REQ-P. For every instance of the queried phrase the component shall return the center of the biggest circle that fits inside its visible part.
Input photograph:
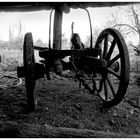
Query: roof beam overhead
(36, 6)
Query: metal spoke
(109, 70)
(113, 60)
(105, 46)
(106, 89)
(111, 50)
(111, 85)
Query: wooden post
(57, 30)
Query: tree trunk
(139, 41)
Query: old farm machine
(105, 64)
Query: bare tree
(16, 41)
(65, 42)
(133, 27)
(96, 33)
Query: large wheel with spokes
(29, 62)
(114, 78)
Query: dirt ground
(61, 103)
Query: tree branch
(127, 25)
(136, 49)
(137, 23)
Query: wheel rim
(112, 85)
(29, 61)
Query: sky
(38, 22)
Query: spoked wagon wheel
(29, 62)
(114, 78)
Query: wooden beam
(57, 30)
(36, 6)
(17, 130)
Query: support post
(57, 30)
